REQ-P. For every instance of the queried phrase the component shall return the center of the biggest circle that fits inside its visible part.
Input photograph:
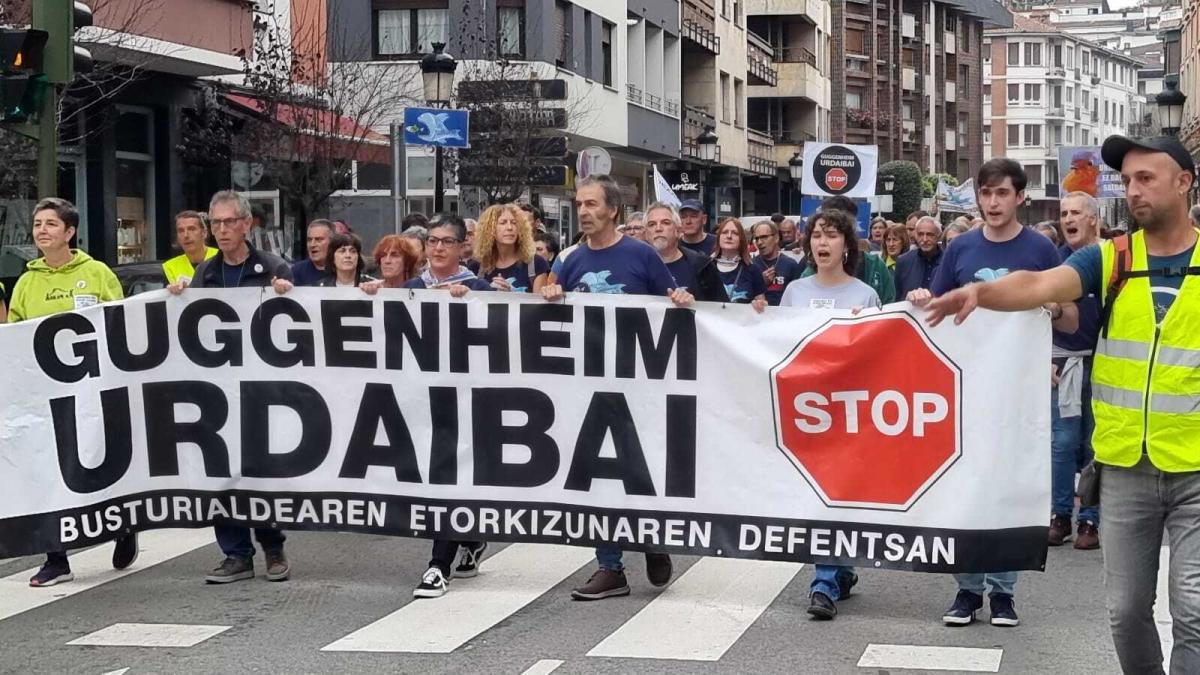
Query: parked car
(141, 277)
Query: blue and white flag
(960, 198)
(662, 190)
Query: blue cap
(693, 204)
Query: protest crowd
(1124, 391)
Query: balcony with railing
(798, 77)
(761, 59)
(1056, 110)
(761, 149)
(790, 141)
(700, 25)
(645, 99)
(1056, 73)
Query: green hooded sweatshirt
(43, 290)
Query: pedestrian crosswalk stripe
(915, 657)
(543, 667)
(1162, 603)
(150, 635)
(507, 582)
(93, 568)
(702, 614)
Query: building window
(987, 134)
(1033, 54)
(962, 125)
(1014, 135)
(510, 32)
(135, 185)
(410, 32)
(1070, 95)
(1058, 55)
(905, 110)
(1014, 53)
(1033, 135)
(1033, 93)
(1085, 62)
(1014, 93)
(854, 101)
(1121, 120)
(855, 42)
(987, 93)
(1070, 56)
(606, 52)
(1070, 135)
(1034, 173)
(739, 98)
(726, 99)
(561, 34)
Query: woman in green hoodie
(62, 280)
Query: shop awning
(343, 136)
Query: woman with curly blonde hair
(506, 251)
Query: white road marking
(1162, 603)
(117, 672)
(543, 667)
(702, 614)
(507, 581)
(150, 635)
(914, 657)
(93, 568)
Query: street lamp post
(706, 144)
(796, 170)
(1170, 103)
(437, 75)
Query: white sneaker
(433, 584)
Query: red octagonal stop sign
(868, 410)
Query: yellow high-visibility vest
(180, 266)
(1146, 377)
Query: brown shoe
(1060, 530)
(1088, 537)
(278, 568)
(603, 584)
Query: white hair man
(915, 268)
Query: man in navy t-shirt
(1071, 410)
(609, 262)
(694, 218)
(777, 270)
(1001, 246)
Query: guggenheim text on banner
(794, 435)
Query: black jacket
(914, 270)
(709, 287)
(260, 270)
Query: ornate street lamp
(1170, 108)
(437, 74)
(796, 167)
(707, 142)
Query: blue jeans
(1001, 582)
(831, 579)
(1070, 451)
(235, 541)
(610, 559)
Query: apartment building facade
(1189, 75)
(1045, 89)
(907, 76)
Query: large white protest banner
(793, 435)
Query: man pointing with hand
(1145, 392)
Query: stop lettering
(868, 410)
(836, 179)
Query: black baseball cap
(1116, 147)
(693, 204)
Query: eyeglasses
(432, 242)
(219, 223)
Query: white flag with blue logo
(662, 190)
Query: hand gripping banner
(793, 435)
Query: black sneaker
(125, 551)
(468, 561)
(1003, 613)
(821, 607)
(433, 584)
(845, 588)
(962, 612)
(658, 569)
(51, 574)
(230, 570)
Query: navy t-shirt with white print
(628, 267)
(684, 274)
(517, 275)
(743, 283)
(787, 270)
(971, 257)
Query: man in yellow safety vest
(1145, 392)
(191, 234)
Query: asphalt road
(349, 609)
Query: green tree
(906, 195)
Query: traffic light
(22, 82)
(62, 19)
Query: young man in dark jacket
(692, 271)
(238, 265)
